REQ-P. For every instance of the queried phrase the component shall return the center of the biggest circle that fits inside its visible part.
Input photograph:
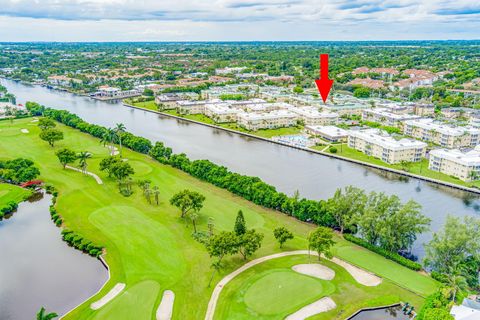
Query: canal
(288, 169)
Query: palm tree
(193, 216)
(457, 283)
(82, 158)
(156, 192)
(42, 315)
(119, 130)
(108, 137)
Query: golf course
(149, 247)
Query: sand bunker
(165, 309)
(24, 131)
(109, 296)
(322, 305)
(360, 275)
(315, 270)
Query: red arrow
(324, 84)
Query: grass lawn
(420, 168)
(14, 193)
(149, 247)
(272, 290)
(150, 105)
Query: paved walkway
(165, 309)
(212, 304)
(109, 296)
(97, 178)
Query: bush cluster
(80, 243)
(8, 208)
(57, 219)
(387, 254)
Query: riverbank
(320, 152)
(148, 246)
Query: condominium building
(386, 117)
(329, 133)
(311, 116)
(222, 112)
(442, 134)
(463, 165)
(377, 143)
(194, 107)
(269, 120)
(424, 110)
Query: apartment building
(444, 135)
(269, 120)
(311, 116)
(329, 133)
(377, 143)
(463, 165)
(424, 110)
(385, 117)
(222, 112)
(194, 107)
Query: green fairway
(10, 192)
(272, 290)
(150, 248)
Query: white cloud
(117, 20)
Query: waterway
(38, 269)
(314, 176)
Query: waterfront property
(379, 144)
(385, 117)
(311, 116)
(111, 93)
(463, 165)
(441, 134)
(222, 112)
(268, 120)
(329, 133)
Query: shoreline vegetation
(413, 170)
(106, 217)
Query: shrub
(387, 254)
(332, 149)
(80, 243)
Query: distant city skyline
(233, 20)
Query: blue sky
(231, 20)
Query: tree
(121, 171)
(46, 123)
(210, 226)
(362, 92)
(51, 136)
(343, 206)
(249, 243)
(108, 163)
(282, 234)
(456, 283)
(193, 215)
(452, 245)
(156, 193)
(240, 226)
(108, 137)
(187, 200)
(66, 156)
(321, 240)
(43, 315)
(220, 245)
(119, 130)
(82, 160)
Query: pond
(389, 313)
(37, 268)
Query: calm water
(315, 176)
(392, 313)
(38, 269)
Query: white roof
(268, 115)
(222, 108)
(331, 131)
(387, 114)
(382, 139)
(312, 112)
(187, 103)
(464, 313)
(429, 124)
(470, 158)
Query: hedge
(387, 254)
(8, 208)
(80, 243)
